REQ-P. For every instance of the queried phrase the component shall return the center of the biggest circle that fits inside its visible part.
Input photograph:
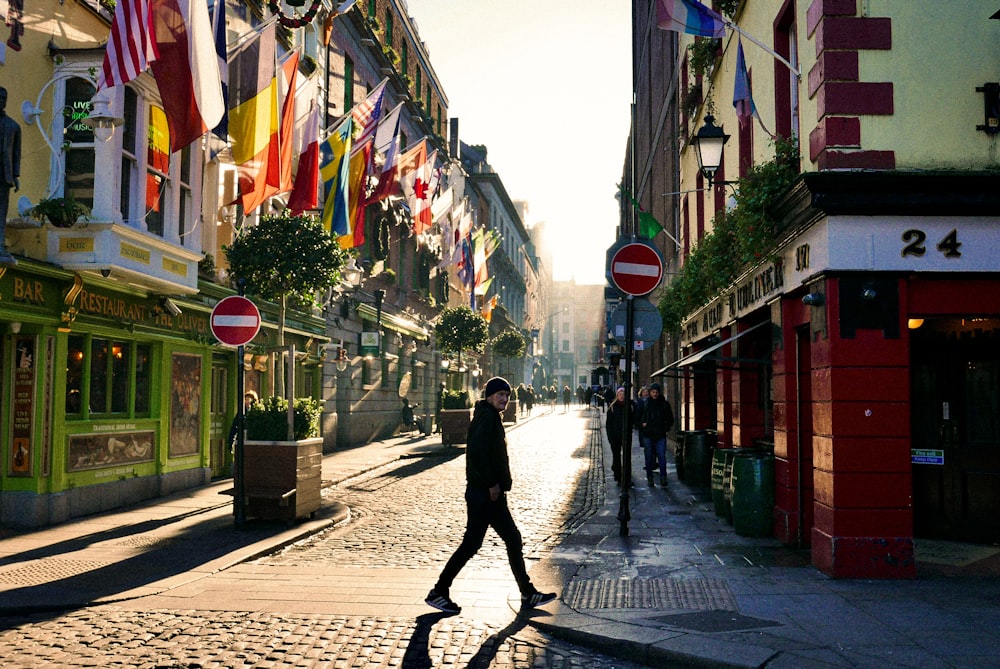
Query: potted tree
(283, 479)
(459, 329)
(509, 344)
(285, 256)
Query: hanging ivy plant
(740, 238)
(702, 55)
(444, 288)
(380, 240)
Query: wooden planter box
(455, 425)
(282, 480)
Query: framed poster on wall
(22, 407)
(185, 405)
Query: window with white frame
(158, 189)
(80, 170)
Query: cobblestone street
(407, 518)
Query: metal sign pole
(623, 511)
(239, 513)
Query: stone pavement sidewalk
(680, 590)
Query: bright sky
(546, 86)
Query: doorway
(955, 420)
(220, 457)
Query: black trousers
(482, 515)
(616, 460)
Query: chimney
(453, 145)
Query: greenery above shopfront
(741, 237)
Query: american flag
(131, 44)
(366, 114)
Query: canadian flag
(414, 182)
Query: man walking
(654, 421)
(488, 479)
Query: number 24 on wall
(914, 239)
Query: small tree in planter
(459, 329)
(285, 256)
(509, 344)
(267, 420)
(285, 479)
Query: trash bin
(698, 446)
(727, 481)
(753, 494)
(719, 458)
(679, 454)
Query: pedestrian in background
(442, 391)
(488, 479)
(654, 421)
(615, 425)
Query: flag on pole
(356, 195)
(335, 172)
(253, 118)
(131, 46)
(304, 191)
(649, 227)
(387, 143)
(286, 132)
(367, 113)
(221, 130)
(742, 92)
(466, 267)
(187, 69)
(413, 183)
(689, 16)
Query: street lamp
(708, 145)
(551, 352)
(101, 119)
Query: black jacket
(657, 415)
(615, 420)
(486, 462)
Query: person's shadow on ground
(417, 654)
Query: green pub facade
(112, 396)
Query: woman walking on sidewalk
(488, 479)
(615, 424)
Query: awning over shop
(395, 323)
(700, 355)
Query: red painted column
(793, 462)
(726, 399)
(861, 445)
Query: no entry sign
(636, 269)
(235, 320)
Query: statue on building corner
(10, 171)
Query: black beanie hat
(495, 385)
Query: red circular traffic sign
(636, 269)
(235, 320)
